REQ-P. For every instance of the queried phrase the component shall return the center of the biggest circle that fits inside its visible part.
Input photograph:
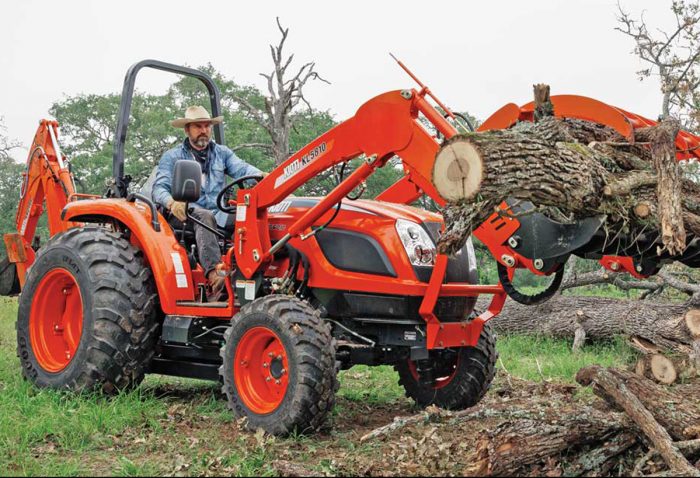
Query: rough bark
(598, 457)
(668, 188)
(615, 388)
(660, 323)
(543, 104)
(569, 169)
(514, 445)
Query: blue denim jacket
(221, 162)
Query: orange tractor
(317, 283)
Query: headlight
(417, 243)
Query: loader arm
(46, 184)
(385, 126)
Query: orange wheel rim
(261, 370)
(56, 320)
(440, 382)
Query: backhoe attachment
(47, 184)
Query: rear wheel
(279, 366)
(460, 376)
(86, 316)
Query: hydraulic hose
(525, 299)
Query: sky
(475, 56)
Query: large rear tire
(87, 313)
(463, 375)
(279, 366)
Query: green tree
(10, 181)
(88, 123)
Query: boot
(216, 290)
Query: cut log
(658, 323)
(692, 321)
(662, 369)
(668, 188)
(653, 364)
(617, 393)
(562, 167)
(458, 171)
(643, 210)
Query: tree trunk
(662, 324)
(568, 169)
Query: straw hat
(195, 114)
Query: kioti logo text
(298, 164)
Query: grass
(179, 426)
(543, 358)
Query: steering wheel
(219, 199)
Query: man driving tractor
(216, 161)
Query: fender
(166, 257)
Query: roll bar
(121, 185)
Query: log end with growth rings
(692, 321)
(458, 170)
(663, 369)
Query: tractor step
(214, 305)
(181, 368)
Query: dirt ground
(186, 443)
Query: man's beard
(201, 141)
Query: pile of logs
(640, 428)
(570, 169)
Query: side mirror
(187, 181)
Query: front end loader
(316, 284)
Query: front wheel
(461, 377)
(279, 366)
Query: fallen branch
(690, 448)
(616, 392)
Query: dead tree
(672, 57)
(6, 145)
(285, 93)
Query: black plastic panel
(358, 306)
(354, 252)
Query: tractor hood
(370, 207)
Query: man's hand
(177, 208)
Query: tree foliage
(10, 181)
(88, 123)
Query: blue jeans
(208, 251)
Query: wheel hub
(56, 320)
(260, 370)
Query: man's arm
(236, 167)
(162, 184)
